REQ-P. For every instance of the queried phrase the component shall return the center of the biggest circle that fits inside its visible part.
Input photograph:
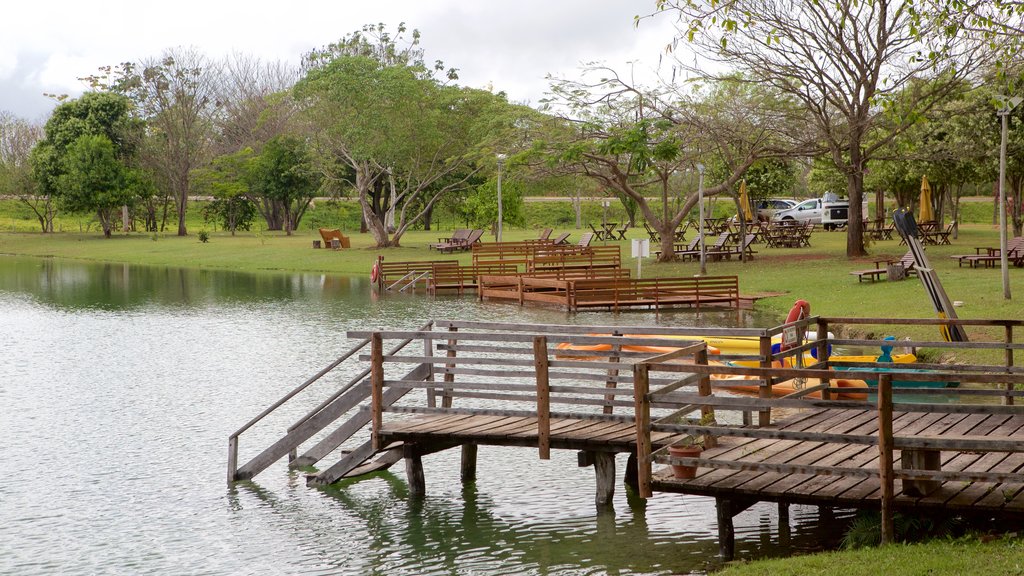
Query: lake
(120, 386)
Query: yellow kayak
(809, 359)
(724, 344)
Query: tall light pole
(501, 163)
(700, 223)
(1008, 104)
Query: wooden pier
(613, 293)
(470, 384)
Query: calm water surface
(119, 386)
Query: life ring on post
(801, 309)
(375, 272)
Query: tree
(94, 179)
(100, 114)
(227, 180)
(283, 176)
(845, 61)
(17, 138)
(393, 131)
(631, 141)
(175, 96)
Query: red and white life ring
(375, 272)
(801, 309)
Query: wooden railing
(921, 470)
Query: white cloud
(512, 45)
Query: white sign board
(641, 248)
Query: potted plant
(690, 446)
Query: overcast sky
(508, 44)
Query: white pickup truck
(831, 215)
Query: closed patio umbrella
(748, 215)
(925, 213)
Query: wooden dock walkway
(466, 384)
(612, 293)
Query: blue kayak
(901, 383)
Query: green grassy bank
(965, 556)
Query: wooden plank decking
(566, 433)
(860, 492)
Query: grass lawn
(966, 556)
(819, 274)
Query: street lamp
(1008, 104)
(700, 223)
(501, 163)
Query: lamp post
(501, 163)
(1008, 104)
(700, 223)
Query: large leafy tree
(69, 147)
(175, 95)
(845, 61)
(638, 143)
(283, 176)
(94, 178)
(398, 136)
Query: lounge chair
(728, 252)
(694, 253)
(561, 239)
(329, 235)
(585, 239)
(473, 238)
(989, 256)
(459, 235)
(545, 234)
(876, 273)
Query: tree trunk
(855, 192)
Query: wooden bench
(907, 262)
(330, 236)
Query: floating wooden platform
(613, 293)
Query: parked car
(830, 214)
(767, 207)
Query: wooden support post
(727, 508)
(885, 444)
(642, 408)
(232, 458)
(629, 478)
(613, 373)
(707, 413)
(822, 354)
(604, 470)
(764, 417)
(1008, 400)
(540, 363)
(414, 471)
(428, 351)
(783, 513)
(376, 387)
(469, 463)
(726, 532)
(446, 398)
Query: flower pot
(684, 472)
